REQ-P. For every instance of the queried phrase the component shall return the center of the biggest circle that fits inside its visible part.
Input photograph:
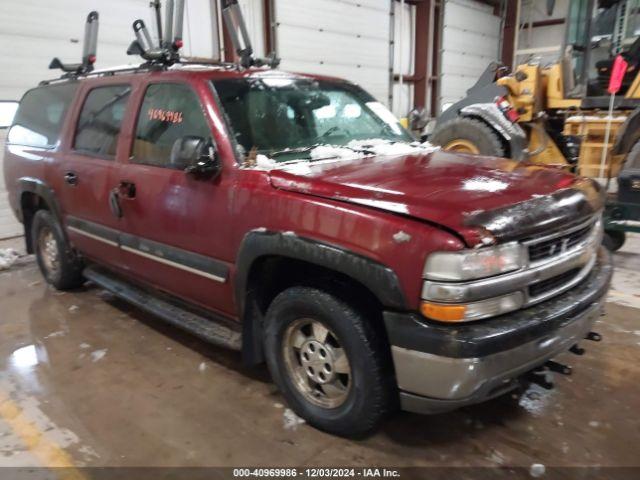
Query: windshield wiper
(292, 150)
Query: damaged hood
(470, 195)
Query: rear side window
(40, 116)
(100, 120)
(169, 111)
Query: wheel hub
(317, 363)
(317, 360)
(49, 250)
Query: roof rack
(142, 68)
(88, 52)
(240, 37)
(165, 51)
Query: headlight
(473, 264)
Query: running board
(204, 327)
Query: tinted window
(39, 118)
(99, 123)
(168, 112)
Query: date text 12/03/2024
(316, 472)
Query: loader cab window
(99, 124)
(575, 56)
(596, 33)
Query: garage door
(344, 38)
(471, 40)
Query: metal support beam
(269, 26)
(434, 73)
(423, 35)
(509, 32)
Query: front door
(175, 226)
(85, 172)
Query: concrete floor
(86, 380)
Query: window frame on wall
(140, 111)
(91, 153)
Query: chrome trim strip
(173, 264)
(92, 236)
(560, 233)
(191, 262)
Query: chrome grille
(553, 283)
(554, 246)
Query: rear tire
(58, 262)
(468, 135)
(614, 239)
(338, 380)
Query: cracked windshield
(280, 120)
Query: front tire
(328, 361)
(468, 135)
(58, 263)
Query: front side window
(281, 116)
(169, 112)
(100, 120)
(40, 116)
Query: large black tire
(372, 392)
(614, 239)
(477, 133)
(58, 262)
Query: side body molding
(379, 279)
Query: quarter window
(40, 116)
(169, 111)
(100, 120)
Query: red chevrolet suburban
(293, 218)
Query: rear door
(85, 171)
(175, 227)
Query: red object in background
(617, 74)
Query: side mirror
(7, 112)
(196, 156)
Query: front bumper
(441, 367)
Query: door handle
(127, 189)
(71, 178)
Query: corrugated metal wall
(470, 41)
(344, 38)
(32, 32)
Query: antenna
(166, 51)
(89, 49)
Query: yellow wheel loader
(558, 114)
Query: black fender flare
(40, 188)
(381, 280)
(628, 134)
(512, 133)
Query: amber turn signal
(443, 313)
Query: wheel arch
(33, 195)
(269, 262)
